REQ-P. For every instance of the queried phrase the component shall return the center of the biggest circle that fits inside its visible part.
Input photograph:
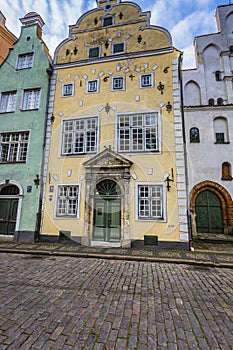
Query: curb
(118, 257)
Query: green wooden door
(107, 212)
(209, 213)
(8, 215)
(107, 220)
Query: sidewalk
(204, 254)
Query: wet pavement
(65, 302)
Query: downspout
(190, 235)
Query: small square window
(108, 21)
(220, 137)
(146, 80)
(118, 83)
(94, 52)
(93, 86)
(118, 47)
(67, 90)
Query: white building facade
(208, 114)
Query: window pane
(146, 80)
(94, 52)
(118, 83)
(12, 147)
(67, 201)
(108, 21)
(79, 136)
(25, 61)
(31, 99)
(150, 202)
(8, 101)
(92, 86)
(68, 90)
(118, 47)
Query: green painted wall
(33, 120)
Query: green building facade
(24, 82)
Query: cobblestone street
(50, 302)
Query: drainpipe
(190, 235)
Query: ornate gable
(108, 159)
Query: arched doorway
(107, 212)
(209, 217)
(9, 198)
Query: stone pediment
(107, 159)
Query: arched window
(219, 101)
(221, 130)
(211, 102)
(226, 171)
(194, 135)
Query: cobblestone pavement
(52, 302)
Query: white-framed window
(79, 136)
(150, 202)
(221, 130)
(108, 21)
(118, 47)
(8, 101)
(92, 86)
(118, 83)
(31, 99)
(94, 52)
(139, 132)
(146, 80)
(25, 60)
(67, 89)
(67, 203)
(14, 147)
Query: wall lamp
(166, 177)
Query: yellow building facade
(114, 163)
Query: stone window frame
(94, 48)
(70, 132)
(115, 44)
(88, 91)
(65, 92)
(142, 84)
(114, 79)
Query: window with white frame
(79, 136)
(138, 132)
(94, 52)
(150, 202)
(67, 90)
(14, 147)
(31, 99)
(25, 60)
(108, 21)
(146, 80)
(8, 101)
(118, 83)
(92, 86)
(118, 47)
(67, 201)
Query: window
(146, 80)
(226, 171)
(14, 147)
(67, 89)
(92, 86)
(8, 101)
(218, 75)
(31, 99)
(211, 102)
(25, 61)
(138, 133)
(108, 21)
(118, 83)
(150, 202)
(94, 52)
(194, 135)
(221, 130)
(118, 47)
(219, 101)
(67, 201)
(79, 136)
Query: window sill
(19, 162)
(222, 143)
(32, 109)
(7, 112)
